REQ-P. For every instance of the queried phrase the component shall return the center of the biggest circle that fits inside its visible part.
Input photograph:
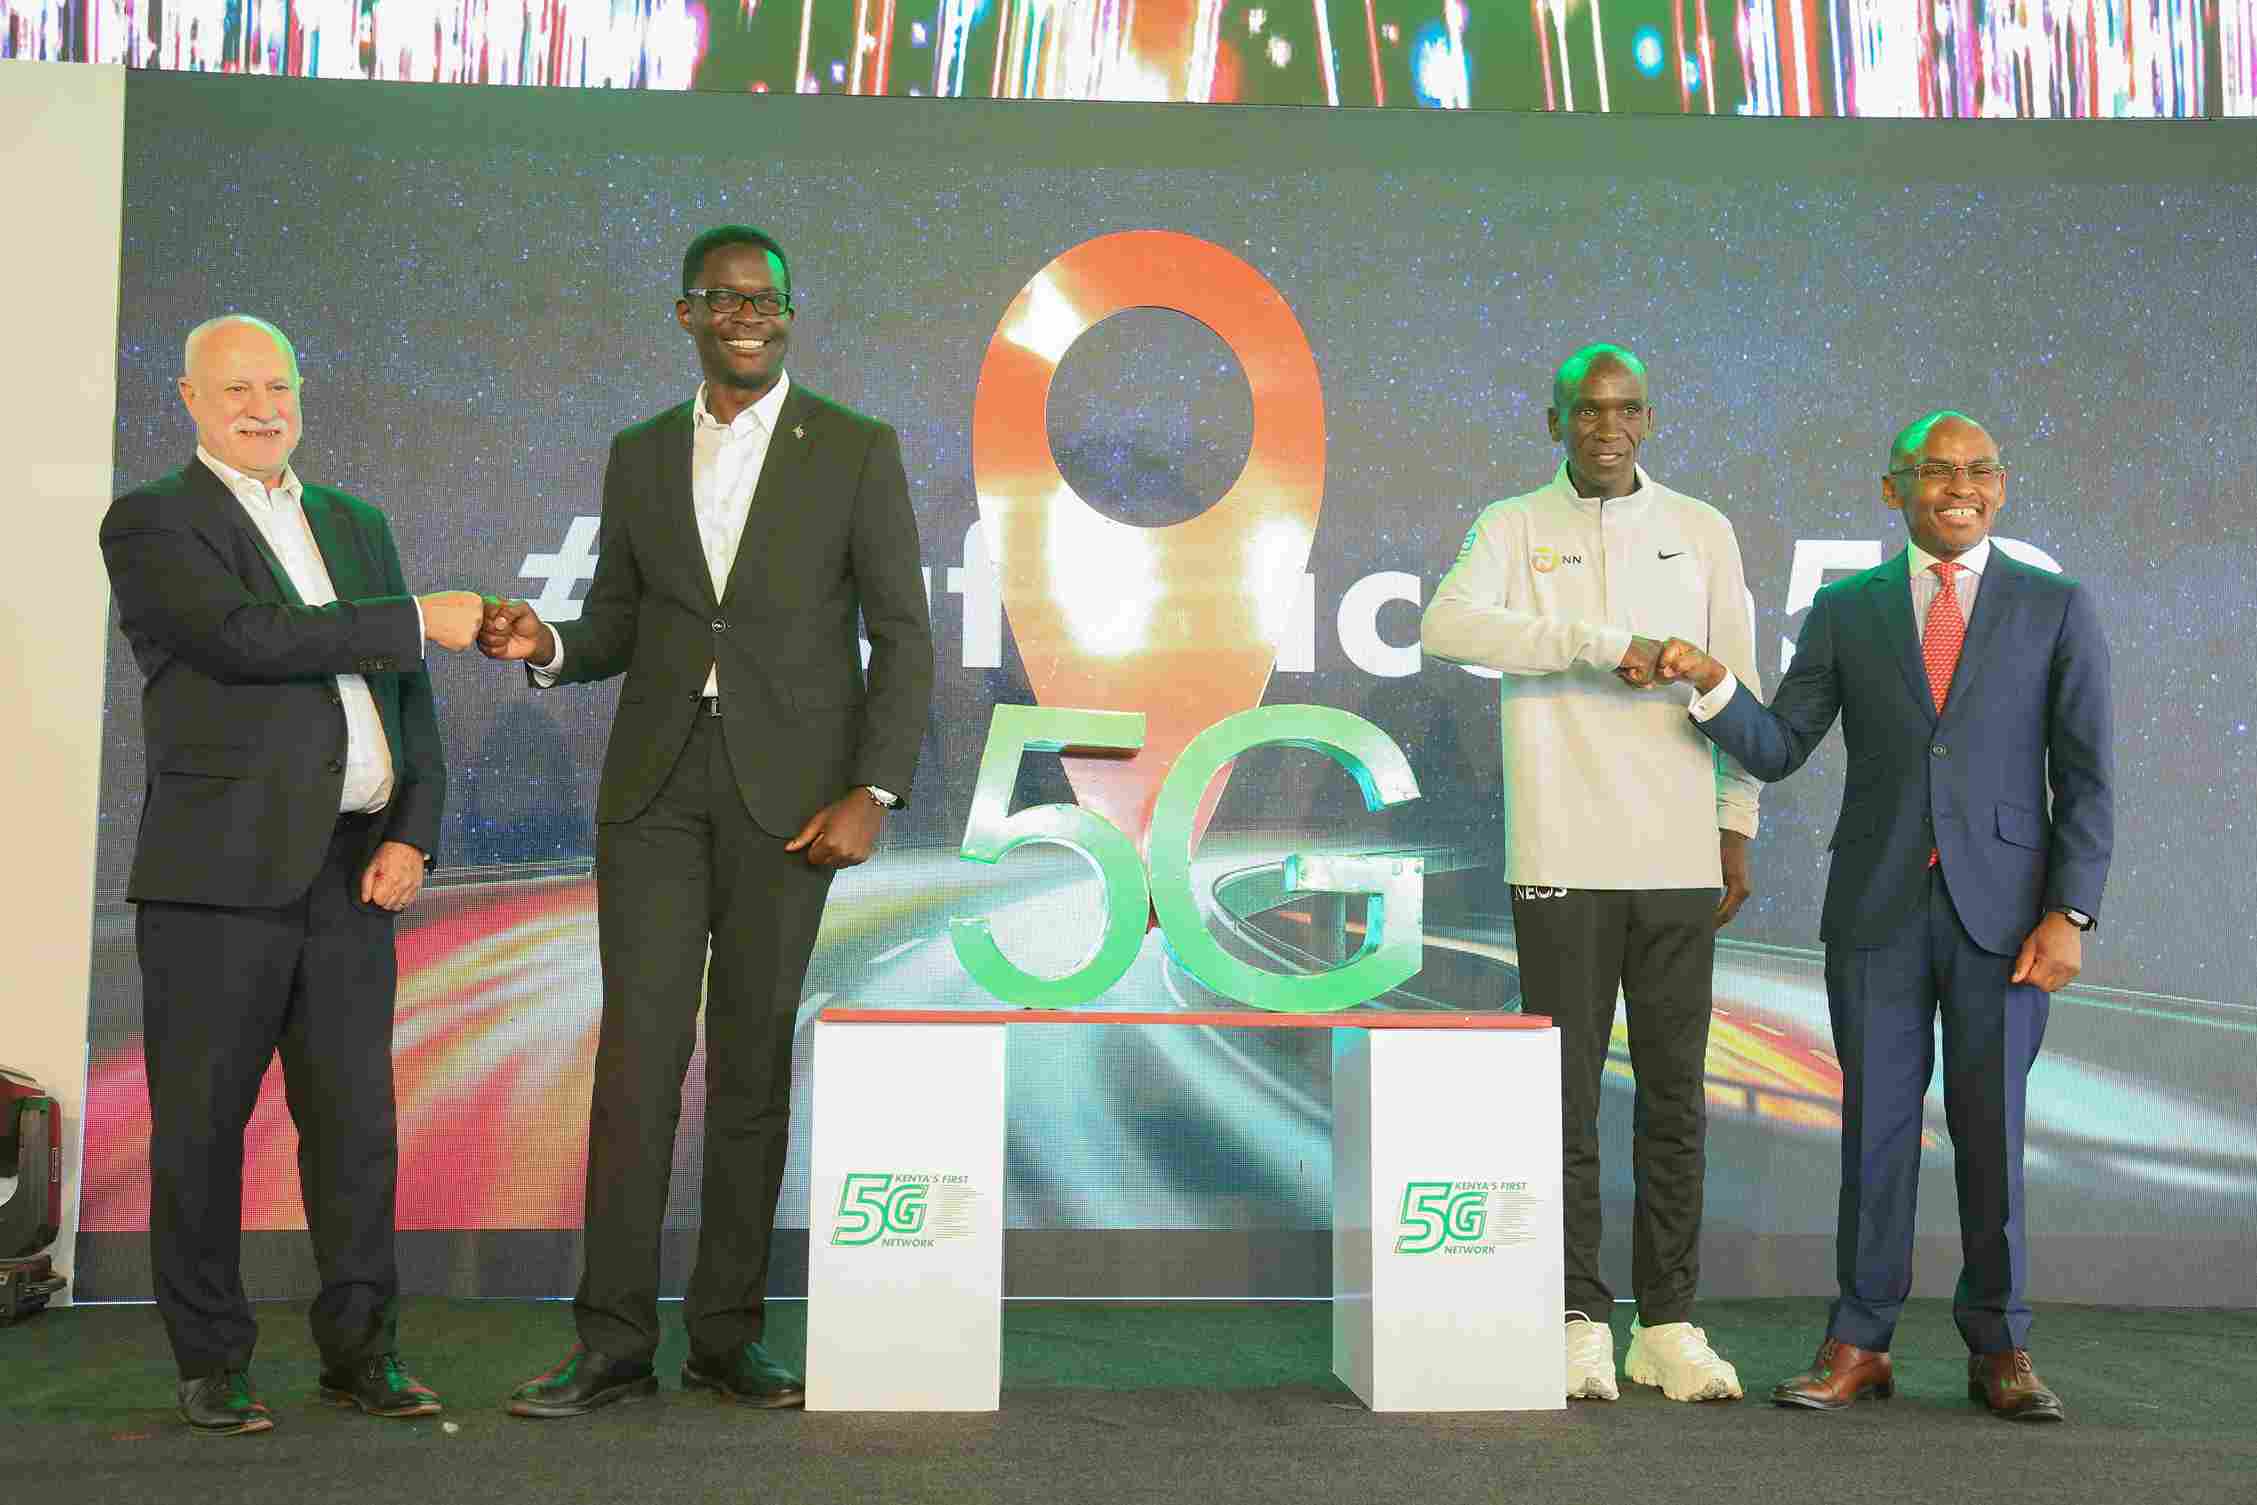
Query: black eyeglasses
(1981, 472)
(725, 301)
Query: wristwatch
(884, 798)
(2076, 917)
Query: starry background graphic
(474, 325)
(480, 284)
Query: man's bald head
(240, 384)
(1905, 448)
(235, 327)
(1568, 380)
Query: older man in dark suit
(751, 757)
(292, 806)
(1973, 844)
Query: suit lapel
(1994, 603)
(339, 542)
(214, 491)
(1891, 587)
(675, 434)
(782, 475)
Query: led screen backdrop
(480, 286)
(1958, 59)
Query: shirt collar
(765, 412)
(250, 488)
(1972, 561)
(1638, 493)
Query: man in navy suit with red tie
(1969, 859)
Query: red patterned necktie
(1945, 632)
(1941, 638)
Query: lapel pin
(799, 431)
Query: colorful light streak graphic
(1958, 59)
(2032, 59)
(499, 990)
(2237, 56)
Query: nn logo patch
(1462, 1217)
(902, 1209)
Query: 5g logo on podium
(1463, 1217)
(1441, 1212)
(900, 1209)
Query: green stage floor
(1178, 1402)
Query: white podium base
(905, 1214)
(1446, 1261)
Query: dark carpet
(1102, 1403)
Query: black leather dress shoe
(381, 1386)
(585, 1381)
(748, 1376)
(223, 1405)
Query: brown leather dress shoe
(1837, 1377)
(2007, 1384)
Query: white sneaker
(1590, 1360)
(1676, 1356)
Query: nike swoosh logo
(1678, 554)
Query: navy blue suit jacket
(2027, 718)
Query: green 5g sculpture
(1393, 939)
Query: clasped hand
(512, 631)
(502, 629)
(1648, 662)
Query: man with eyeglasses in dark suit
(751, 757)
(1976, 826)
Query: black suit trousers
(688, 877)
(222, 990)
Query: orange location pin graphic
(1182, 622)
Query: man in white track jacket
(1626, 844)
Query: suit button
(1940, 751)
(719, 625)
(336, 765)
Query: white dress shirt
(725, 464)
(1926, 585)
(279, 515)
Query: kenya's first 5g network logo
(1446, 1217)
(899, 1209)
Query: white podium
(1446, 1262)
(1446, 1206)
(905, 1218)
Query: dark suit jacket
(244, 726)
(830, 532)
(2028, 715)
